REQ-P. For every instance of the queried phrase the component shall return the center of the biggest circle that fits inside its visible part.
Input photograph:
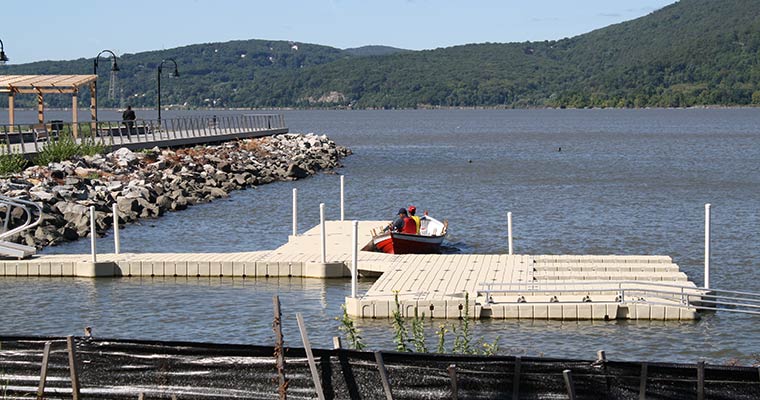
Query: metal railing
(32, 138)
(636, 292)
(9, 203)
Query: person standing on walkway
(129, 118)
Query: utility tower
(112, 86)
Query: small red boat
(428, 241)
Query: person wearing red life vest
(410, 226)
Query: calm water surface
(624, 182)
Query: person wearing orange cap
(412, 211)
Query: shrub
(66, 148)
(11, 163)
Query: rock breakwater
(148, 183)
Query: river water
(625, 182)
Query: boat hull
(404, 243)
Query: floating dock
(563, 287)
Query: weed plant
(401, 336)
(351, 331)
(11, 163)
(463, 340)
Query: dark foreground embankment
(146, 184)
(120, 369)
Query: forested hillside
(694, 52)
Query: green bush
(65, 147)
(11, 163)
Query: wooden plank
(310, 357)
(43, 371)
(383, 375)
(73, 367)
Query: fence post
(509, 231)
(707, 245)
(354, 258)
(73, 367)
(310, 357)
(116, 244)
(323, 234)
(93, 249)
(569, 384)
(279, 348)
(44, 371)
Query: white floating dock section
(564, 287)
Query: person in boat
(412, 212)
(410, 226)
(398, 224)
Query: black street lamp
(114, 68)
(3, 57)
(174, 74)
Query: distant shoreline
(708, 107)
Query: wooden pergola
(48, 84)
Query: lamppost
(114, 68)
(3, 57)
(174, 74)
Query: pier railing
(622, 292)
(8, 204)
(32, 138)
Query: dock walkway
(32, 139)
(567, 287)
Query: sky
(65, 30)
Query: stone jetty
(148, 183)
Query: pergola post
(74, 114)
(40, 108)
(11, 110)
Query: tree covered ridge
(694, 52)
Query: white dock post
(509, 231)
(92, 235)
(295, 212)
(341, 196)
(116, 245)
(322, 232)
(707, 245)
(354, 258)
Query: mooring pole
(93, 250)
(116, 244)
(354, 258)
(509, 231)
(322, 232)
(707, 245)
(295, 212)
(342, 187)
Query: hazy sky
(65, 30)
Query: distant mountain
(366, 51)
(694, 52)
